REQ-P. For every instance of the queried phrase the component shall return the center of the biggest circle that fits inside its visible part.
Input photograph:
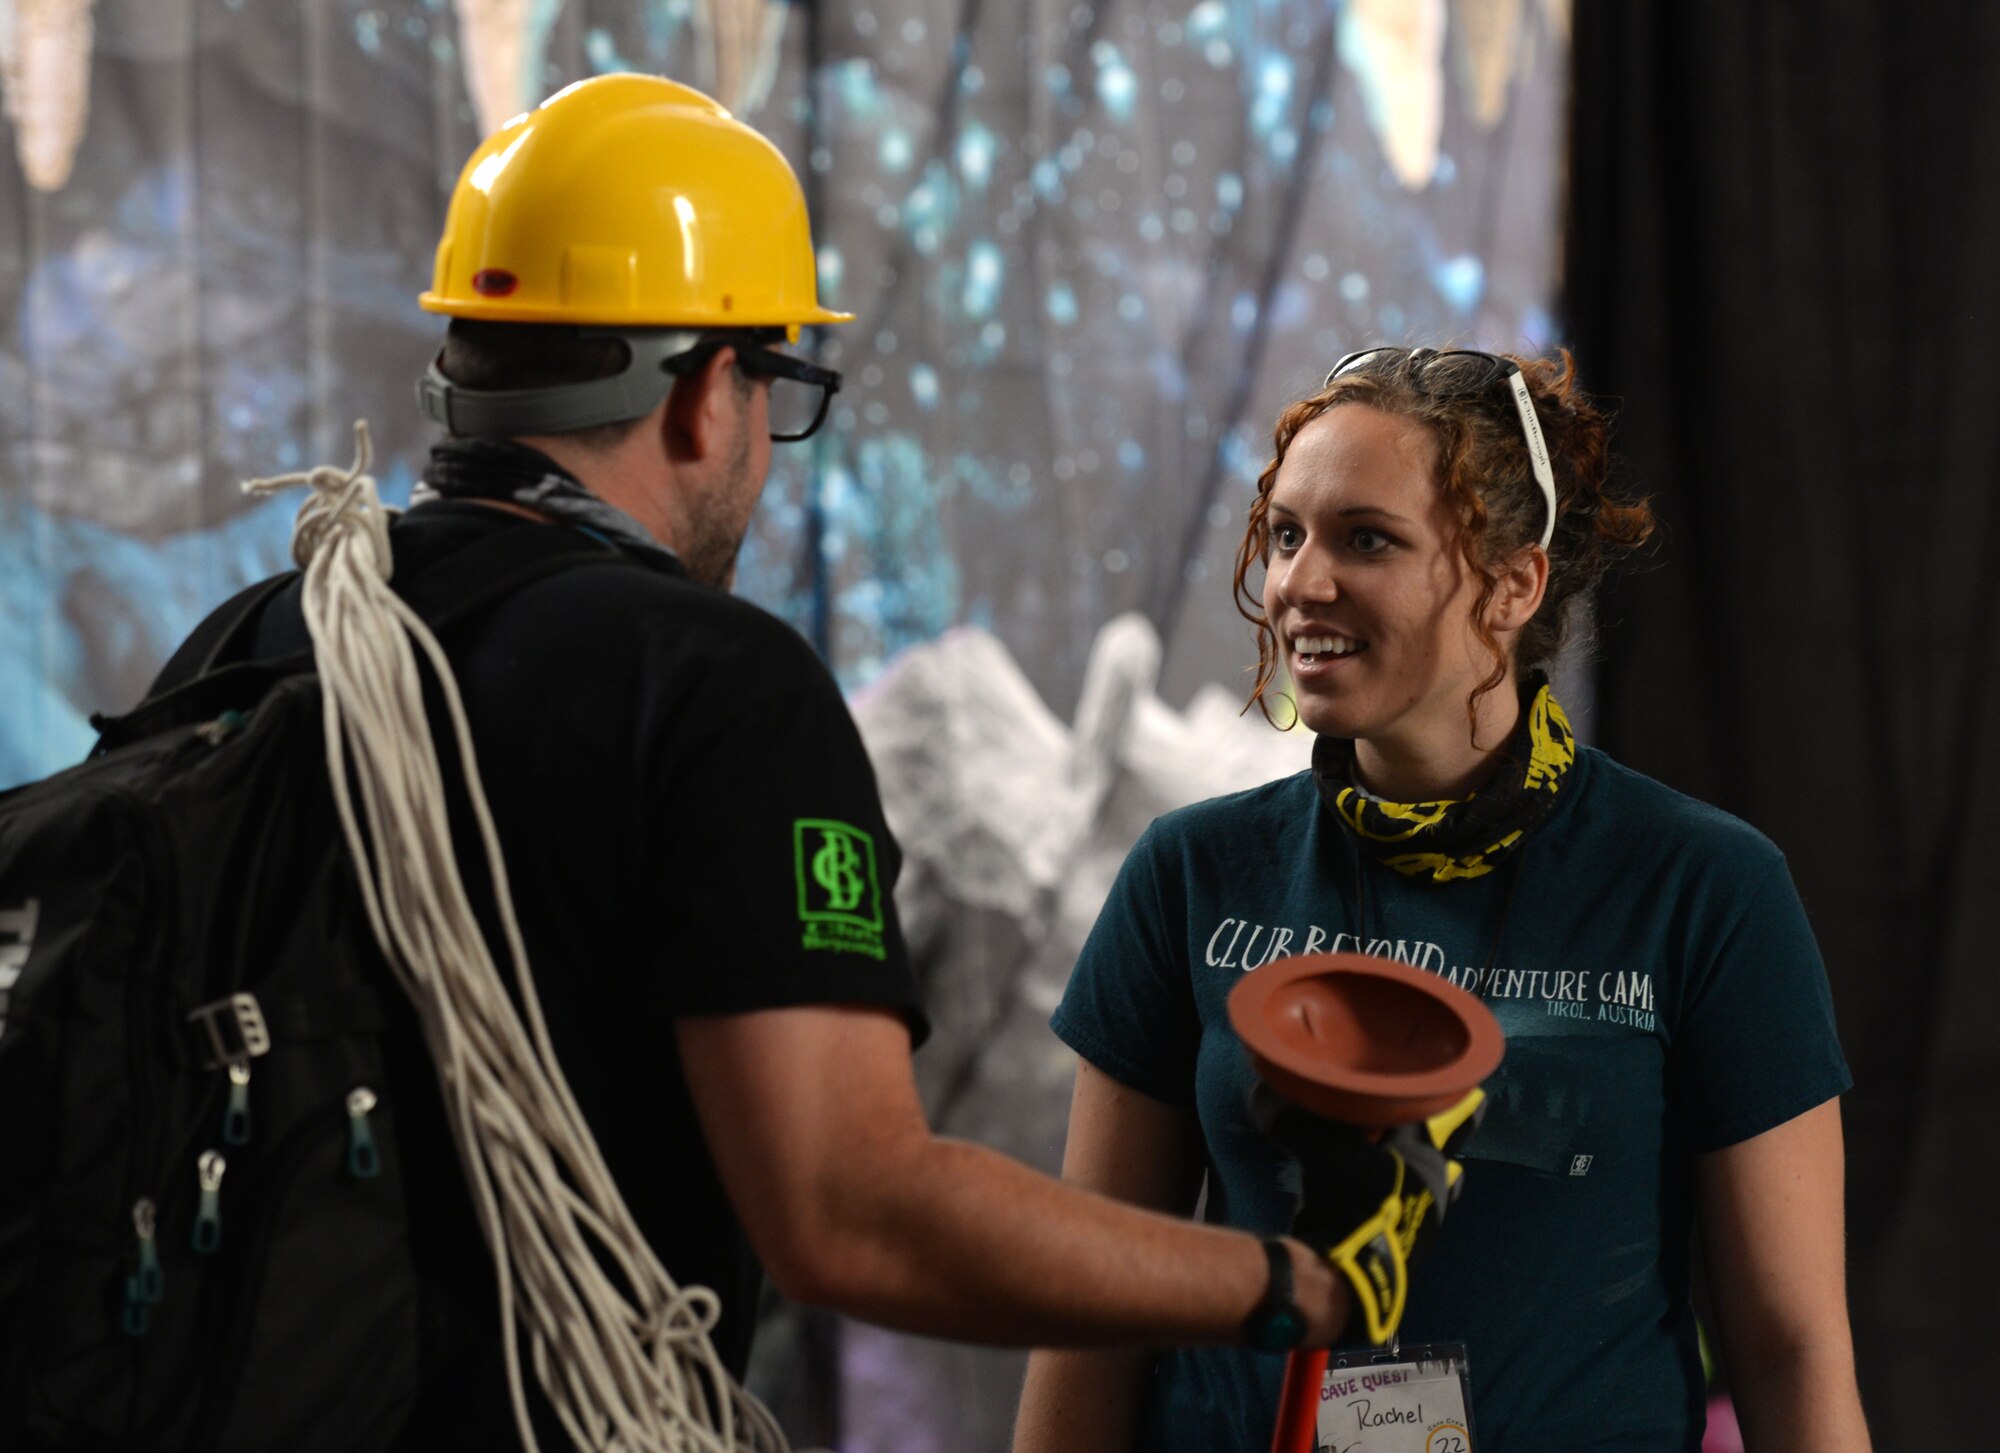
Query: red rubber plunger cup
(1370, 1043)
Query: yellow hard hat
(628, 201)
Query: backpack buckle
(236, 1030)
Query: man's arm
(1134, 1148)
(852, 1203)
(1772, 1228)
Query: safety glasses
(801, 392)
(1456, 373)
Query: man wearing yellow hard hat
(691, 828)
(625, 235)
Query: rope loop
(344, 504)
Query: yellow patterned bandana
(1446, 841)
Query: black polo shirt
(691, 826)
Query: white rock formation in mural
(1000, 807)
(45, 48)
(1013, 827)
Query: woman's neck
(1438, 762)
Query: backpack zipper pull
(364, 1162)
(208, 1220)
(142, 1287)
(216, 732)
(236, 1119)
(145, 1220)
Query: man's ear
(700, 410)
(1518, 590)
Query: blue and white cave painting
(1092, 250)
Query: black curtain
(1783, 241)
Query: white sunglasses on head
(1423, 367)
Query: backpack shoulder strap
(231, 639)
(443, 593)
(220, 635)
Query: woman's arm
(1134, 1148)
(1773, 1234)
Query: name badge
(1417, 1399)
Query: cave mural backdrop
(1092, 246)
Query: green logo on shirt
(840, 895)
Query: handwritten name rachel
(1365, 1415)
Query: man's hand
(1369, 1207)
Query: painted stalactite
(1396, 50)
(740, 40)
(45, 48)
(738, 44)
(1489, 37)
(493, 38)
(505, 45)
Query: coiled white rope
(621, 1351)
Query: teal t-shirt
(1662, 996)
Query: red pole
(1298, 1403)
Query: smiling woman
(1425, 525)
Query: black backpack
(204, 1242)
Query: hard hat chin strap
(564, 408)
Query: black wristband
(1276, 1324)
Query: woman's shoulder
(1622, 802)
